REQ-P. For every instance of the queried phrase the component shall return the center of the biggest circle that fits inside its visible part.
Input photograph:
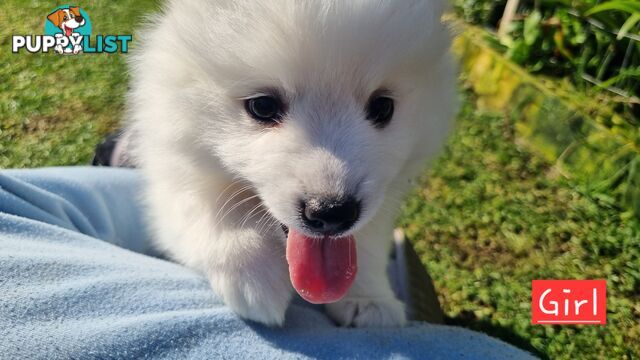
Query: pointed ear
(56, 17)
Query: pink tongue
(68, 31)
(321, 270)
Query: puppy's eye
(265, 109)
(380, 110)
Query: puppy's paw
(364, 312)
(255, 302)
(263, 299)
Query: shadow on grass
(468, 320)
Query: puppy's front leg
(58, 48)
(247, 267)
(371, 302)
(76, 48)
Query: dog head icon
(67, 19)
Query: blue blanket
(77, 281)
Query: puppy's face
(320, 154)
(67, 19)
(320, 105)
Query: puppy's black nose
(330, 216)
(79, 18)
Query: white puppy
(254, 119)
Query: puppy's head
(67, 19)
(319, 104)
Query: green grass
(490, 217)
(54, 109)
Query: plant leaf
(620, 5)
(531, 29)
(630, 23)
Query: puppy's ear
(56, 17)
(75, 10)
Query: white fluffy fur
(220, 184)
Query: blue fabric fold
(79, 280)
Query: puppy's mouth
(322, 269)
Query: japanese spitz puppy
(277, 138)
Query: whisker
(235, 206)
(238, 192)
(248, 215)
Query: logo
(569, 302)
(67, 30)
